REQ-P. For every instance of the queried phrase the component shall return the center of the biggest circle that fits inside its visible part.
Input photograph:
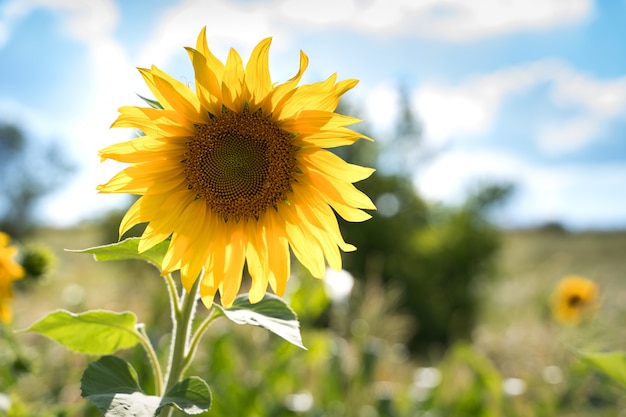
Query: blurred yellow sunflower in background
(574, 298)
(237, 172)
(9, 272)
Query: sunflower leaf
(612, 364)
(111, 384)
(128, 249)
(96, 332)
(271, 313)
(152, 103)
(191, 396)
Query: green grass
(515, 330)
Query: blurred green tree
(436, 254)
(29, 171)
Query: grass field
(515, 330)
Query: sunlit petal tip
(346, 247)
(255, 296)
(362, 136)
(201, 37)
(207, 300)
(368, 173)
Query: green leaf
(152, 103)
(111, 384)
(271, 313)
(96, 332)
(612, 364)
(191, 396)
(128, 249)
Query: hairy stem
(182, 318)
(195, 340)
(154, 360)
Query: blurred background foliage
(29, 172)
(446, 315)
(436, 255)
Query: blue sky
(531, 92)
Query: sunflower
(9, 272)
(574, 298)
(238, 172)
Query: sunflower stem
(182, 317)
(154, 360)
(173, 294)
(197, 336)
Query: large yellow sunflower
(9, 272)
(574, 298)
(237, 172)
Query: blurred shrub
(37, 261)
(437, 255)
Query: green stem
(154, 360)
(182, 317)
(195, 340)
(173, 294)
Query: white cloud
(605, 98)
(448, 177)
(569, 135)
(382, 104)
(598, 102)
(542, 192)
(451, 20)
(227, 24)
(242, 24)
(470, 108)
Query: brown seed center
(574, 301)
(241, 164)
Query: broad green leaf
(613, 364)
(271, 313)
(111, 384)
(96, 332)
(191, 396)
(128, 249)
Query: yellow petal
(323, 96)
(286, 89)
(313, 121)
(143, 148)
(312, 207)
(232, 83)
(340, 191)
(331, 164)
(329, 138)
(305, 246)
(208, 87)
(178, 96)
(135, 117)
(151, 237)
(278, 260)
(234, 260)
(256, 254)
(215, 65)
(257, 75)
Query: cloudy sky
(531, 92)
